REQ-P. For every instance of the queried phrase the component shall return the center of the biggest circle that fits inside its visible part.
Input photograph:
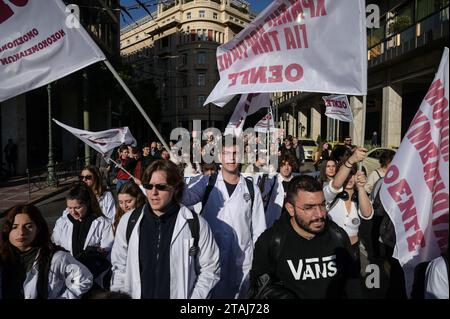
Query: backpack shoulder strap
(251, 190)
(262, 182)
(132, 221)
(194, 226)
(276, 244)
(209, 188)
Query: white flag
(265, 124)
(310, 46)
(338, 108)
(415, 189)
(103, 142)
(247, 105)
(40, 42)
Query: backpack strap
(269, 195)
(251, 190)
(262, 182)
(132, 221)
(194, 226)
(209, 188)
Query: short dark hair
(289, 159)
(386, 157)
(302, 183)
(173, 176)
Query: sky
(255, 5)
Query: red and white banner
(247, 105)
(415, 189)
(296, 45)
(338, 108)
(265, 124)
(103, 142)
(39, 43)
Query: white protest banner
(103, 142)
(415, 189)
(39, 43)
(265, 124)
(247, 105)
(295, 45)
(338, 108)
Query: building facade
(176, 47)
(77, 100)
(403, 57)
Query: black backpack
(378, 208)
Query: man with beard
(305, 250)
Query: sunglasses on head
(160, 187)
(85, 177)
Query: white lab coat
(108, 205)
(184, 282)
(67, 279)
(236, 229)
(100, 234)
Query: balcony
(422, 33)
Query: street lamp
(51, 178)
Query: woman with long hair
(322, 154)
(327, 171)
(31, 266)
(90, 175)
(129, 198)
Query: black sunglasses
(85, 177)
(160, 187)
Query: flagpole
(363, 126)
(136, 103)
(121, 167)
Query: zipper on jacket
(158, 242)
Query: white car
(371, 162)
(310, 147)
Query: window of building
(201, 100)
(189, 15)
(201, 13)
(184, 102)
(201, 79)
(214, 15)
(428, 7)
(165, 42)
(201, 58)
(184, 59)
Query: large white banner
(338, 108)
(103, 142)
(296, 45)
(247, 105)
(39, 43)
(415, 189)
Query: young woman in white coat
(157, 260)
(90, 175)
(31, 267)
(129, 198)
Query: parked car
(310, 147)
(371, 162)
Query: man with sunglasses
(236, 219)
(161, 258)
(305, 252)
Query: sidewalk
(15, 192)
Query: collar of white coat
(220, 177)
(281, 178)
(183, 215)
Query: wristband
(345, 164)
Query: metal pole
(136, 103)
(51, 180)
(87, 150)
